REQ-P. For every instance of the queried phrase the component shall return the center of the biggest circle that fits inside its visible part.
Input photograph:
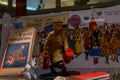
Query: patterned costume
(114, 45)
(77, 40)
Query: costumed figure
(82, 41)
(87, 43)
(19, 53)
(105, 50)
(77, 41)
(95, 52)
(55, 44)
(75, 21)
(95, 57)
(92, 23)
(96, 34)
(70, 39)
(114, 45)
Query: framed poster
(18, 51)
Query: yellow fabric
(53, 45)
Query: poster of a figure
(18, 50)
(16, 55)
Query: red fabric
(46, 62)
(87, 41)
(91, 25)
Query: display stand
(50, 76)
(12, 77)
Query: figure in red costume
(75, 21)
(92, 23)
(87, 43)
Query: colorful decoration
(75, 21)
(68, 55)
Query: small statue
(55, 45)
(29, 70)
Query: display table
(49, 76)
(12, 77)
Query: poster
(45, 21)
(18, 50)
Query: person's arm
(65, 43)
(46, 43)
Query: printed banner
(101, 15)
(45, 21)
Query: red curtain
(20, 8)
